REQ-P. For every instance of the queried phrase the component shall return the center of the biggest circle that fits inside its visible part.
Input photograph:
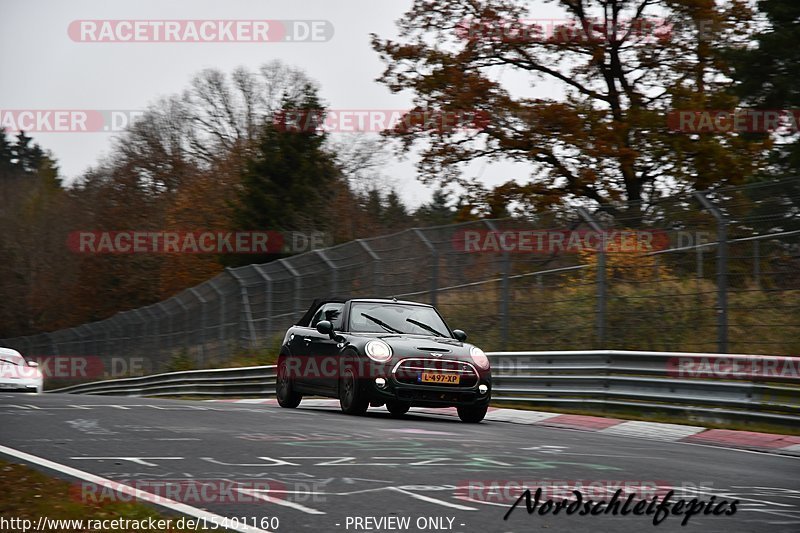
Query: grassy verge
(28, 494)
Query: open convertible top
(317, 303)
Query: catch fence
(717, 271)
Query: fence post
(187, 335)
(203, 318)
(297, 280)
(267, 299)
(757, 263)
(374, 264)
(245, 301)
(166, 337)
(334, 270)
(435, 272)
(505, 290)
(601, 277)
(153, 332)
(722, 271)
(221, 295)
(699, 258)
(123, 341)
(53, 345)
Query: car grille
(408, 371)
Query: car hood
(408, 345)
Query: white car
(17, 374)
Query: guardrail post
(600, 324)
(722, 270)
(435, 271)
(505, 289)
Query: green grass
(29, 494)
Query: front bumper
(20, 385)
(403, 383)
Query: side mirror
(460, 335)
(325, 327)
(33, 364)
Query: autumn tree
(622, 66)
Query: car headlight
(378, 351)
(479, 357)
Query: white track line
(431, 500)
(128, 490)
(278, 501)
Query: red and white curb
(749, 440)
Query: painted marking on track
(733, 495)
(275, 462)
(546, 449)
(144, 461)
(263, 495)
(130, 491)
(432, 500)
(420, 431)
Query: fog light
(380, 382)
(483, 389)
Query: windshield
(397, 318)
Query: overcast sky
(44, 68)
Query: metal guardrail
(243, 381)
(608, 380)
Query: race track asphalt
(316, 469)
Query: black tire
(284, 388)
(397, 408)
(472, 414)
(351, 398)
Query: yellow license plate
(429, 377)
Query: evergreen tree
(288, 184)
(436, 212)
(767, 74)
(394, 215)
